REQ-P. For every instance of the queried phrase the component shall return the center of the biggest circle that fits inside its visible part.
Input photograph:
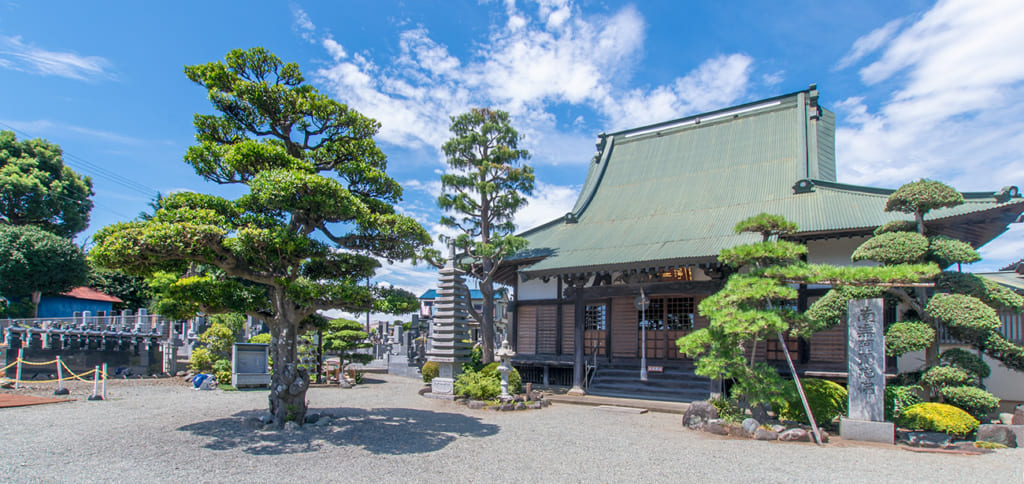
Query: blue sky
(919, 88)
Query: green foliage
(486, 383)
(201, 360)
(907, 336)
(923, 196)
(222, 371)
(972, 400)
(32, 260)
(222, 334)
(346, 337)
(991, 293)
(728, 409)
(762, 254)
(937, 417)
(767, 225)
(262, 338)
(967, 318)
(893, 248)
(37, 189)
(946, 376)
(830, 310)
(318, 214)
(827, 400)
(1005, 351)
(477, 386)
(132, 290)
(981, 444)
(430, 371)
(967, 361)
(945, 251)
(487, 183)
(896, 226)
(840, 276)
(899, 397)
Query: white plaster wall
(835, 251)
(538, 289)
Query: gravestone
(450, 345)
(249, 365)
(866, 379)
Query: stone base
(867, 430)
(576, 392)
(443, 386)
(440, 396)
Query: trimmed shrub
(477, 386)
(899, 397)
(201, 360)
(946, 376)
(945, 251)
(262, 338)
(972, 400)
(827, 400)
(515, 382)
(938, 417)
(893, 248)
(430, 371)
(906, 336)
(967, 361)
(967, 317)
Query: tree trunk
(289, 383)
(487, 321)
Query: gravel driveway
(162, 431)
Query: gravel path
(161, 431)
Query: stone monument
(450, 346)
(866, 380)
(505, 355)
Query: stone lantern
(504, 355)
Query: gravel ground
(162, 431)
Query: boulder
(312, 417)
(1006, 418)
(795, 435)
(928, 439)
(520, 406)
(750, 425)
(1018, 415)
(699, 414)
(476, 404)
(323, 421)
(1000, 434)
(824, 436)
(717, 427)
(291, 426)
(778, 428)
(762, 434)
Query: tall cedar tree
(485, 188)
(37, 189)
(320, 209)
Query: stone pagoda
(450, 345)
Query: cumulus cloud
(537, 59)
(547, 203)
(17, 55)
(956, 112)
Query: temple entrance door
(668, 319)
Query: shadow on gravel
(390, 431)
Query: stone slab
(866, 359)
(442, 386)
(867, 431)
(613, 408)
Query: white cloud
(527, 65)
(956, 113)
(869, 43)
(16, 55)
(335, 49)
(547, 203)
(303, 25)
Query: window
(595, 318)
(669, 313)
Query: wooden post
(579, 364)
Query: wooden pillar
(579, 363)
(558, 318)
(803, 344)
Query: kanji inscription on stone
(866, 359)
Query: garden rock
(1018, 415)
(999, 434)
(699, 414)
(324, 421)
(928, 439)
(778, 428)
(312, 417)
(520, 406)
(795, 435)
(762, 434)
(717, 427)
(750, 425)
(1006, 418)
(824, 436)
(475, 404)
(291, 426)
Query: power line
(84, 165)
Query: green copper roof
(671, 193)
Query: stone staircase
(677, 383)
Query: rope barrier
(32, 363)
(76, 376)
